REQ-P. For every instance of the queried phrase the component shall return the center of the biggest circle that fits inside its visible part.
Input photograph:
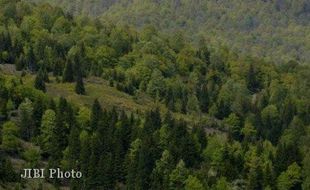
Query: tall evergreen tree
(47, 128)
(178, 176)
(31, 60)
(60, 132)
(96, 115)
(68, 74)
(253, 80)
(79, 87)
(26, 122)
(39, 82)
(161, 171)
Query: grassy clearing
(108, 96)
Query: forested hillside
(277, 29)
(142, 108)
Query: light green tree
(156, 85)
(193, 183)
(32, 156)
(47, 127)
(290, 178)
(178, 176)
(26, 124)
(222, 184)
(10, 133)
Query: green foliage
(39, 82)
(178, 177)
(32, 156)
(234, 122)
(26, 123)
(289, 179)
(47, 128)
(7, 173)
(306, 172)
(79, 87)
(156, 85)
(68, 74)
(160, 174)
(10, 134)
(192, 183)
(222, 184)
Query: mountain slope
(277, 29)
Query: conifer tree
(73, 147)
(122, 138)
(93, 178)
(192, 183)
(178, 176)
(132, 164)
(39, 82)
(59, 135)
(20, 63)
(26, 122)
(7, 173)
(68, 74)
(306, 171)
(38, 109)
(96, 115)
(79, 87)
(161, 171)
(47, 128)
(203, 97)
(30, 60)
(72, 153)
(169, 99)
(253, 81)
(84, 156)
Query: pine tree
(73, 147)
(306, 171)
(253, 81)
(38, 109)
(39, 81)
(26, 123)
(20, 63)
(182, 144)
(290, 179)
(60, 132)
(30, 60)
(96, 115)
(192, 183)
(161, 171)
(72, 154)
(122, 141)
(7, 173)
(68, 74)
(169, 99)
(192, 106)
(178, 176)
(93, 178)
(84, 156)
(47, 128)
(203, 97)
(132, 164)
(79, 88)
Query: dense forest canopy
(219, 120)
(276, 29)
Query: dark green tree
(96, 115)
(79, 87)
(68, 74)
(39, 82)
(253, 79)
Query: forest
(138, 107)
(277, 30)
